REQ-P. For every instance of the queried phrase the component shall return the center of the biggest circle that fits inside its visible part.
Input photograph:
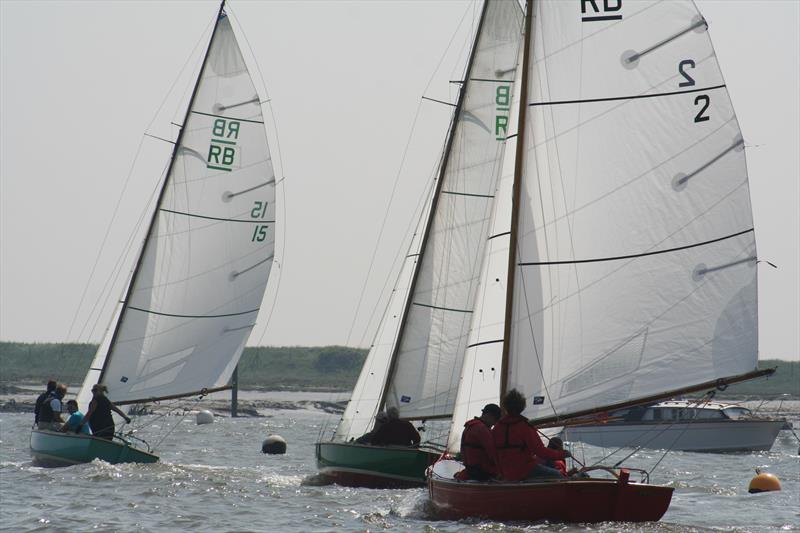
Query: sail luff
(718, 384)
(515, 199)
(434, 203)
(160, 199)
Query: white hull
(711, 436)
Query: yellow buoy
(764, 482)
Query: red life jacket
(477, 446)
(517, 446)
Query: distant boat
(415, 360)
(630, 268)
(200, 276)
(681, 425)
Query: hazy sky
(81, 82)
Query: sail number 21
(259, 211)
(702, 99)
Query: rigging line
(254, 221)
(399, 171)
(629, 97)
(150, 312)
(633, 256)
(383, 223)
(117, 269)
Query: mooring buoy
(204, 417)
(764, 482)
(274, 444)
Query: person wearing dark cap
(477, 446)
(519, 448)
(380, 419)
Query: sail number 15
(259, 211)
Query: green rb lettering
(503, 95)
(227, 129)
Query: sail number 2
(259, 211)
(700, 100)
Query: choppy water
(214, 478)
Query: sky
(86, 89)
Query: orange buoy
(764, 482)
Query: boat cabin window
(708, 414)
(736, 413)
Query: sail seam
(630, 97)
(444, 308)
(191, 316)
(217, 218)
(227, 118)
(633, 256)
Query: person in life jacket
(50, 409)
(518, 443)
(559, 464)
(477, 446)
(47, 395)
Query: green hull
(357, 465)
(50, 448)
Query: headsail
(635, 266)
(196, 291)
(415, 362)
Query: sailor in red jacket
(518, 443)
(477, 446)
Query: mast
(515, 198)
(160, 199)
(432, 212)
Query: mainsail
(634, 267)
(416, 360)
(195, 293)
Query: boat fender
(204, 417)
(274, 444)
(764, 482)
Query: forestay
(198, 287)
(434, 337)
(635, 271)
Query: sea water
(214, 478)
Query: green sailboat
(414, 364)
(200, 276)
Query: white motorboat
(681, 425)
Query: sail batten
(188, 310)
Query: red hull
(585, 500)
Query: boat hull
(357, 465)
(712, 436)
(52, 449)
(568, 500)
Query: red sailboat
(621, 268)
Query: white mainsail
(200, 280)
(422, 338)
(634, 268)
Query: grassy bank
(321, 368)
(327, 367)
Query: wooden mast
(518, 164)
(161, 193)
(432, 213)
